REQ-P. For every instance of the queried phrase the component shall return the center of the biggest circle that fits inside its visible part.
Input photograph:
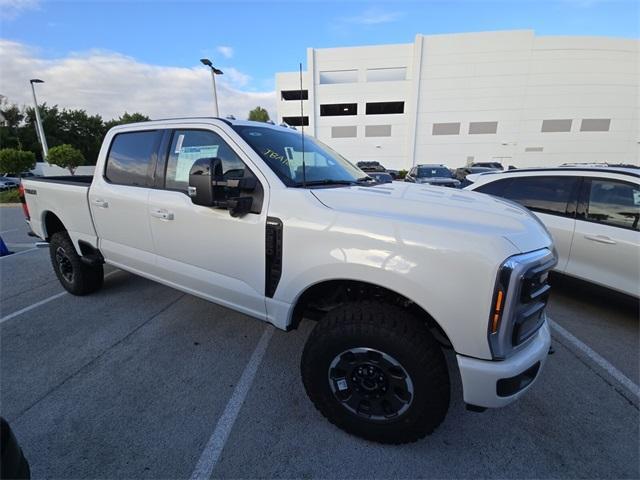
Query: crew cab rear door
(118, 200)
(205, 249)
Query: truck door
(118, 200)
(205, 249)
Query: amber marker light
(497, 311)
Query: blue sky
(108, 57)
(267, 37)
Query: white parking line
(211, 453)
(41, 302)
(598, 359)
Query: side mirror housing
(201, 177)
(208, 188)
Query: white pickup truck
(274, 224)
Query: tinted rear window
(541, 194)
(131, 158)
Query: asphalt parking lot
(142, 381)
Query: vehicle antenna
(304, 168)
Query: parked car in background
(381, 177)
(373, 166)
(593, 214)
(433, 174)
(7, 184)
(494, 165)
(16, 177)
(461, 173)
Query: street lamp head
(36, 80)
(217, 71)
(207, 62)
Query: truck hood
(458, 210)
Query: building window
(384, 108)
(350, 131)
(483, 127)
(338, 109)
(386, 74)
(377, 131)
(295, 94)
(296, 121)
(338, 76)
(556, 126)
(446, 128)
(534, 149)
(595, 125)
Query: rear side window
(132, 158)
(614, 203)
(494, 188)
(544, 194)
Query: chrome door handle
(98, 202)
(600, 239)
(161, 213)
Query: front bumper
(491, 384)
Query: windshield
(282, 151)
(433, 172)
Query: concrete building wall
(506, 96)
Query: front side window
(282, 151)
(614, 203)
(544, 194)
(187, 146)
(131, 158)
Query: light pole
(39, 128)
(214, 71)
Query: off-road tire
(76, 277)
(391, 330)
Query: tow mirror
(208, 188)
(201, 177)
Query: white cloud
(227, 52)
(109, 83)
(10, 9)
(373, 16)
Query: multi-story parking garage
(510, 96)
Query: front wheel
(75, 276)
(375, 371)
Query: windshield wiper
(326, 181)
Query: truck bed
(66, 179)
(64, 197)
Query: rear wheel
(375, 371)
(76, 277)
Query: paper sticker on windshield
(179, 143)
(188, 155)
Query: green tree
(126, 118)
(9, 132)
(259, 114)
(16, 161)
(73, 127)
(66, 156)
